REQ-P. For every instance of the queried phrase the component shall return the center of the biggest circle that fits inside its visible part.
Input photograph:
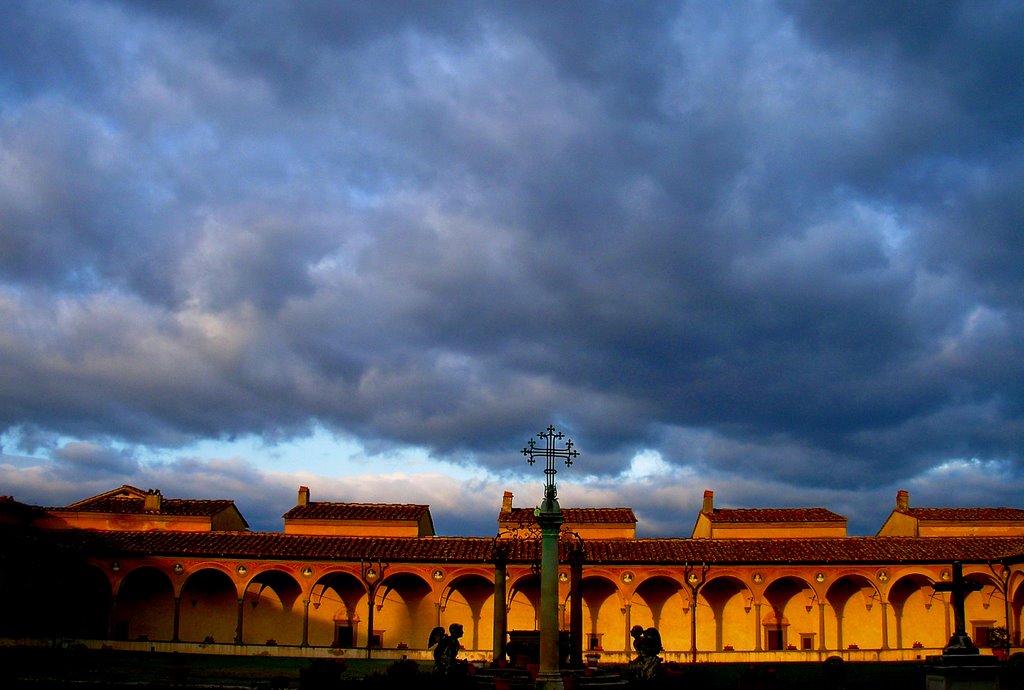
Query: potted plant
(999, 641)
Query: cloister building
(132, 569)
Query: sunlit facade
(128, 570)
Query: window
(806, 640)
(594, 641)
(776, 639)
(980, 636)
(344, 635)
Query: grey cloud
(445, 226)
(90, 458)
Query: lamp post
(549, 519)
(372, 577)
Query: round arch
(724, 606)
(658, 602)
(603, 614)
(405, 612)
(79, 604)
(145, 605)
(338, 603)
(523, 602)
(272, 612)
(790, 619)
(209, 606)
(469, 600)
(919, 611)
(852, 619)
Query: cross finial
(550, 451)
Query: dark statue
(446, 651)
(647, 644)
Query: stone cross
(960, 587)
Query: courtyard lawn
(106, 669)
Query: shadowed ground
(113, 670)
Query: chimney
(303, 496)
(709, 501)
(902, 500)
(506, 502)
(152, 501)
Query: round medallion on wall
(563, 577)
(820, 577)
(178, 568)
(758, 578)
(627, 577)
(437, 575)
(883, 576)
(115, 566)
(307, 571)
(241, 570)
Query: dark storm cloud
(779, 241)
(88, 459)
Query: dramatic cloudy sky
(775, 249)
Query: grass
(108, 669)
(66, 666)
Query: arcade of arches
(765, 598)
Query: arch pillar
(500, 609)
(177, 620)
(305, 623)
(885, 624)
(626, 618)
(821, 626)
(239, 621)
(758, 632)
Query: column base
(549, 680)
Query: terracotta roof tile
(882, 550)
(968, 514)
(774, 515)
(169, 506)
(575, 515)
(357, 511)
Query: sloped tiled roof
(357, 511)
(580, 516)
(967, 514)
(179, 507)
(881, 550)
(774, 515)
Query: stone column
(758, 633)
(627, 619)
(549, 519)
(885, 624)
(897, 611)
(371, 594)
(500, 610)
(305, 623)
(112, 619)
(821, 626)
(238, 622)
(177, 619)
(693, 629)
(576, 608)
